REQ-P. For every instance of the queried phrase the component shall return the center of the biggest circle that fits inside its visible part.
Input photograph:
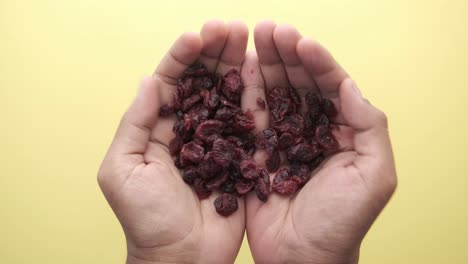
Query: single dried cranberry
(285, 141)
(217, 181)
(209, 128)
(294, 95)
(175, 145)
(261, 103)
(210, 98)
(244, 186)
(322, 120)
(232, 85)
(301, 171)
(273, 162)
(200, 188)
(283, 183)
(208, 168)
(249, 169)
(228, 186)
(236, 141)
(293, 124)
(262, 187)
(226, 204)
(185, 87)
(329, 108)
(196, 70)
(279, 107)
(325, 138)
(303, 152)
(191, 101)
(267, 139)
(191, 153)
(166, 110)
(198, 114)
(224, 114)
(313, 103)
(223, 152)
(190, 174)
(244, 122)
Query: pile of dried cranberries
(214, 140)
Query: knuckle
(382, 118)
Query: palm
(161, 215)
(334, 210)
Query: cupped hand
(161, 216)
(327, 219)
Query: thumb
(135, 127)
(371, 139)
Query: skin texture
(327, 219)
(161, 216)
(324, 222)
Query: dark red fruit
(217, 181)
(303, 152)
(208, 168)
(262, 188)
(226, 204)
(223, 152)
(190, 174)
(273, 162)
(191, 153)
(248, 169)
(301, 171)
(166, 110)
(200, 188)
(244, 186)
(267, 139)
(283, 183)
(209, 128)
(329, 108)
(285, 141)
(191, 101)
(325, 138)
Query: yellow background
(68, 70)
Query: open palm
(162, 217)
(327, 219)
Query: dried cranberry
(217, 181)
(228, 187)
(244, 186)
(283, 183)
(191, 101)
(209, 128)
(185, 88)
(223, 152)
(226, 204)
(293, 124)
(301, 171)
(175, 145)
(198, 114)
(166, 110)
(273, 162)
(249, 169)
(244, 122)
(267, 139)
(200, 188)
(329, 108)
(285, 140)
(208, 168)
(303, 152)
(313, 103)
(191, 152)
(325, 138)
(196, 69)
(262, 187)
(190, 174)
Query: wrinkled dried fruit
(200, 188)
(248, 169)
(244, 186)
(283, 182)
(303, 152)
(273, 162)
(217, 181)
(191, 153)
(226, 204)
(262, 188)
(190, 174)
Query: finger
(213, 34)
(184, 52)
(136, 125)
(286, 38)
(254, 90)
(235, 47)
(371, 138)
(270, 61)
(322, 67)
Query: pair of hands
(324, 222)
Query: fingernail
(356, 89)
